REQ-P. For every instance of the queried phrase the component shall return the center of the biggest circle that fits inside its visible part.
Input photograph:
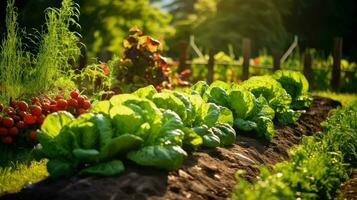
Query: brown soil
(349, 189)
(206, 174)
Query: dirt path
(349, 189)
(206, 174)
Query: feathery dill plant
(11, 56)
(59, 45)
(26, 74)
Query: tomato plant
(20, 120)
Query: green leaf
(270, 89)
(211, 140)
(125, 119)
(244, 125)
(265, 127)
(263, 109)
(60, 169)
(226, 134)
(110, 168)
(189, 108)
(170, 137)
(86, 155)
(163, 157)
(191, 138)
(105, 129)
(288, 117)
(212, 114)
(120, 145)
(89, 135)
(216, 114)
(146, 92)
(170, 121)
(218, 96)
(221, 84)
(169, 101)
(200, 87)
(101, 107)
(54, 122)
(242, 103)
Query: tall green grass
(24, 74)
(11, 56)
(59, 45)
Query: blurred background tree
(214, 23)
(104, 23)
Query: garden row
(316, 168)
(157, 129)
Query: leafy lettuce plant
(205, 124)
(296, 85)
(277, 97)
(124, 126)
(250, 113)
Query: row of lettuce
(316, 168)
(157, 129)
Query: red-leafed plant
(142, 64)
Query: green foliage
(107, 34)
(296, 85)
(11, 56)
(315, 169)
(142, 64)
(206, 123)
(23, 73)
(250, 113)
(262, 21)
(271, 90)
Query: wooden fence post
(246, 57)
(308, 67)
(336, 68)
(276, 59)
(210, 66)
(183, 56)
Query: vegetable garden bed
(206, 174)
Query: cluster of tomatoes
(20, 119)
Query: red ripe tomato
(16, 118)
(80, 100)
(58, 97)
(3, 131)
(30, 119)
(46, 107)
(22, 105)
(32, 135)
(53, 108)
(20, 124)
(80, 111)
(74, 94)
(8, 122)
(6, 140)
(9, 110)
(13, 103)
(22, 113)
(53, 102)
(86, 105)
(40, 119)
(62, 104)
(1, 106)
(1, 117)
(36, 110)
(72, 103)
(13, 131)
